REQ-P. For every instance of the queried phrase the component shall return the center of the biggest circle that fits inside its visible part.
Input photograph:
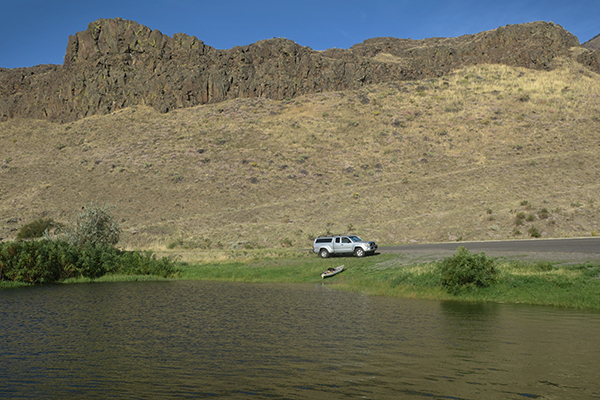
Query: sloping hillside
(484, 152)
(593, 43)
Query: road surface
(576, 250)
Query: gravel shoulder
(557, 251)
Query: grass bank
(395, 275)
(542, 283)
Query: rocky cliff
(117, 63)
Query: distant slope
(485, 152)
(593, 43)
(117, 63)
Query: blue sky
(36, 31)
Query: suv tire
(359, 252)
(323, 253)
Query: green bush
(145, 263)
(45, 261)
(94, 225)
(464, 270)
(534, 232)
(543, 214)
(37, 228)
(530, 218)
(519, 218)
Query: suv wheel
(359, 252)
(323, 253)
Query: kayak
(332, 271)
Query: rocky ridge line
(117, 63)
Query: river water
(166, 340)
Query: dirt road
(559, 251)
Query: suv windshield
(355, 238)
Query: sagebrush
(94, 225)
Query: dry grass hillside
(488, 152)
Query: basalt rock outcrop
(117, 63)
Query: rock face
(117, 63)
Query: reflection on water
(199, 339)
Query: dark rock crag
(117, 63)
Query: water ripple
(198, 339)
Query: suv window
(324, 240)
(345, 240)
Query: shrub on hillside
(465, 269)
(534, 232)
(37, 228)
(94, 225)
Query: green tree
(95, 225)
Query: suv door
(345, 244)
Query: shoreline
(408, 274)
(525, 278)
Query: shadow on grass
(350, 255)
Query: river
(191, 339)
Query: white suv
(328, 245)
